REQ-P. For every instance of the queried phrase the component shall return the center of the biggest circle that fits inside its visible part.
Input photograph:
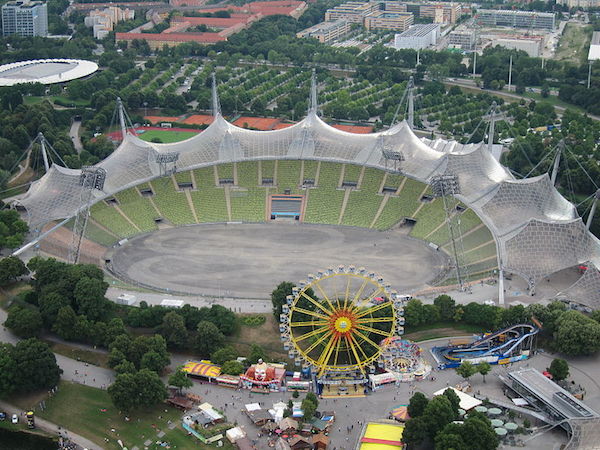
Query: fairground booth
(203, 370)
(263, 377)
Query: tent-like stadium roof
(537, 231)
(45, 71)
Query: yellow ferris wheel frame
(342, 321)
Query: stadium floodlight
(165, 158)
(443, 185)
(92, 177)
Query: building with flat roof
(465, 40)
(594, 53)
(326, 32)
(516, 19)
(439, 12)
(547, 396)
(532, 45)
(384, 20)
(418, 37)
(103, 21)
(353, 12)
(25, 18)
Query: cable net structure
(536, 230)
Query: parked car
(2, 416)
(15, 419)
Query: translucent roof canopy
(537, 231)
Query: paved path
(74, 135)
(50, 427)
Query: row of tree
(431, 424)
(567, 331)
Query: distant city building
(516, 19)
(25, 18)
(103, 21)
(594, 53)
(532, 45)
(439, 12)
(327, 32)
(384, 20)
(579, 3)
(418, 37)
(353, 12)
(465, 40)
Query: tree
(36, 366)
(89, 297)
(49, 305)
(559, 369)
(454, 400)
(8, 370)
(446, 305)
(313, 398)
(208, 338)
(180, 380)
(173, 329)
(65, 322)
(24, 322)
(438, 413)
(466, 370)
(154, 361)
(478, 433)
(232, 367)
(256, 353)
(309, 409)
(417, 404)
(10, 269)
(484, 368)
(415, 431)
(450, 438)
(135, 390)
(576, 334)
(278, 296)
(224, 354)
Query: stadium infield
(249, 260)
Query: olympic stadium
(45, 71)
(232, 203)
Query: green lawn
(574, 43)
(89, 412)
(167, 136)
(57, 99)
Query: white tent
(466, 401)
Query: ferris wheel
(335, 321)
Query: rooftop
(420, 30)
(552, 394)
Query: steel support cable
(548, 153)
(582, 168)
(569, 180)
(516, 141)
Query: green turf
(167, 136)
(89, 412)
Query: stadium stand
(137, 209)
(183, 177)
(401, 206)
(248, 202)
(310, 170)
(364, 203)
(352, 173)
(288, 176)
(208, 200)
(441, 235)
(268, 170)
(225, 171)
(325, 202)
(429, 217)
(172, 205)
(96, 234)
(108, 216)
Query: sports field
(167, 136)
(248, 260)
